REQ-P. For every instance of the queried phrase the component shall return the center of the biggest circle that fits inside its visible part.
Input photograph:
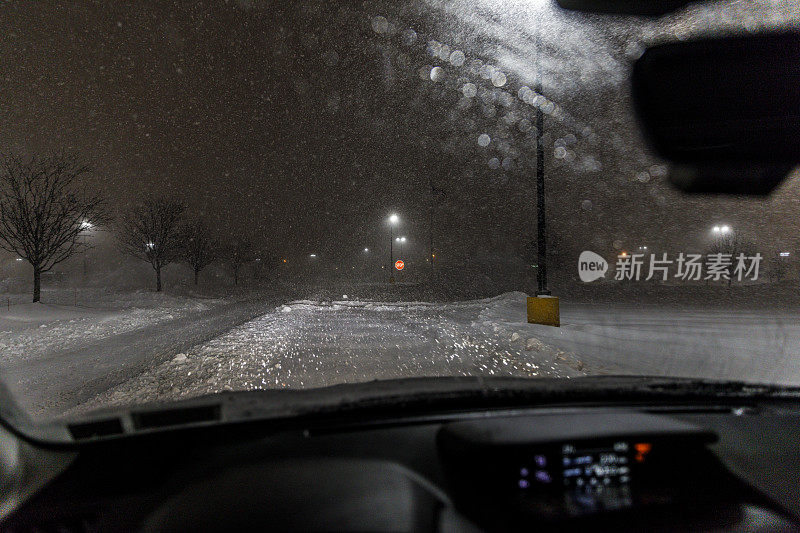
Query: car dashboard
(730, 467)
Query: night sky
(304, 125)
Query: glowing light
(312, 255)
(86, 225)
(784, 254)
(642, 449)
(366, 250)
(393, 219)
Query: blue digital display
(589, 477)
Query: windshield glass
(223, 196)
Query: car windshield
(198, 197)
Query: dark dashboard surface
(655, 467)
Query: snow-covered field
(314, 344)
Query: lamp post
(85, 227)
(541, 221)
(393, 220)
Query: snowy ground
(55, 356)
(315, 344)
(757, 345)
(181, 347)
(29, 331)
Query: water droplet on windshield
(498, 78)
(457, 58)
(409, 37)
(469, 90)
(380, 24)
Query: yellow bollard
(544, 310)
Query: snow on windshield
(248, 195)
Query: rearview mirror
(625, 7)
(725, 110)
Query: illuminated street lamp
(85, 227)
(402, 241)
(393, 221)
(721, 230)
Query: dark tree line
(46, 209)
(159, 231)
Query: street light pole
(392, 221)
(541, 221)
(85, 227)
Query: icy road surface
(316, 344)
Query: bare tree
(44, 208)
(151, 231)
(238, 253)
(199, 248)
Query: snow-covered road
(316, 344)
